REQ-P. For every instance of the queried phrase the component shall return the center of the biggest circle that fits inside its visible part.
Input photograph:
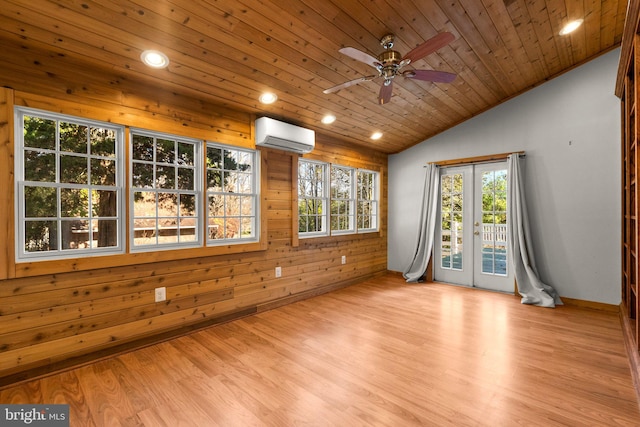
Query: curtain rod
(478, 159)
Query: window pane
(165, 151)
(246, 227)
(105, 233)
(104, 203)
(230, 160)
(103, 142)
(232, 228)
(40, 202)
(457, 183)
(142, 148)
(144, 231)
(144, 204)
(73, 138)
(214, 180)
(186, 179)
(445, 184)
(39, 166)
(215, 228)
(143, 175)
(214, 158)
(188, 228)
(39, 132)
(168, 205)
(74, 203)
(245, 183)
(41, 236)
(216, 205)
(75, 234)
(166, 177)
(73, 169)
(231, 182)
(167, 231)
(187, 205)
(103, 172)
(232, 205)
(185, 154)
(246, 206)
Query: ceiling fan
(389, 63)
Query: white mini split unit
(284, 136)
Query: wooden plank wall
(51, 312)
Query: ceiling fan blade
(359, 55)
(349, 83)
(430, 46)
(385, 92)
(430, 75)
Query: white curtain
(426, 229)
(530, 287)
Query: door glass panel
(451, 206)
(494, 222)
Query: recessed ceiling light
(154, 58)
(268, 98)
(571, 27)
(328, 119)
(376, 135)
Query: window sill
(321, 240)
(35, 268)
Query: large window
(232, 194)
(351, 194)
(68, 186)
(165, 191)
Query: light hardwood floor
(381, 353)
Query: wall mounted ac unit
(284, 136)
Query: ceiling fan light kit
(389, 62)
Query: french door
(470, 246)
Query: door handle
(477, 233)
(476, 223)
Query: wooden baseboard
(611, 308)
(632, 352)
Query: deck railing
(491, 233)
(494, 232)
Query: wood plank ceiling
(229, 51)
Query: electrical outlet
(161, 294)
(344, 259)
(278, 271)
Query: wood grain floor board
(380, 353)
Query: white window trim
(255, 177)
(19, 184)
(198, 162)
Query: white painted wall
(570, 130)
